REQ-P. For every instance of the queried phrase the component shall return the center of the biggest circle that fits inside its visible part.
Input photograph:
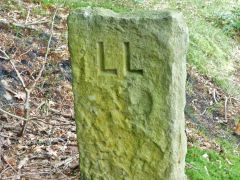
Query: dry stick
(205, 167)
(29, 90)
(214, 95)
(13, 115)
(25, 174)
(13, 138)
(27, 16)
(14, 67)
(37, 22)
(5, 169)
(18, 74)
(226, 107)
(26, 91)
(25, 53)
(53, 110)
(46, 54)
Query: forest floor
(48, 148)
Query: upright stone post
(129, 93)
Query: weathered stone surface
(129, 90)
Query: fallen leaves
(50, 136)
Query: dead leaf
(10, 160)
(19, 112)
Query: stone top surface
(126, 15)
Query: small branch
(203, 112)
(27, 111)
(10, 114)
(5, 169)
(59, 113)
(37, 22)
(27, 174)
(46, 54)
(205, 167)
(29, 10)
(1, 57)
(191, 166)
(14, 67)
(25, 53)
(40, 105)
(18, 74)
(66, 161)
(39, 119)
(214, 95)
(29, 90)
(226, 107)
(4, 53)
(13, 138)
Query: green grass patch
(117, 6)
(211, 50)
(216, 166)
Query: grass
(211, 50)
(117, 6)
(216, 166)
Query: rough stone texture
(129, 90)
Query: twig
(37, 22)
(40, 105)
(214, 95)
(67, 161)
(64, 124)
(46, 54)
(13, 138)
(3, 21)
(27, 111)
(53, 110)
(48, 141)
(59, 113)
(205, 167)
(14, 67)
(29, 90)
(1, 57)
(29, 10)
(191, 166)
(203, 112)
(61, 173)
(25, 174)
(7, 167)
(25, 52)
(18, 74)
(13, 115)
(11, 91)
(225, 107)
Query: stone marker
(129, 89)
